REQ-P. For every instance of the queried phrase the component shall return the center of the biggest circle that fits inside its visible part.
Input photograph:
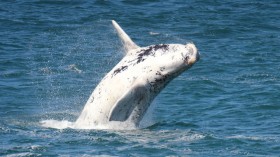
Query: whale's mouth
(190, 60)
(193, 54)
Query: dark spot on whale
(161, 46)
(187, 59)
(160, 83)
(162, 68)
(99, 91)
(143, 53)
(162, 79)
(91, 99)
(158, 73)
(122, 68)
(95, 123)
(150, 51)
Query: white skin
(128, 89)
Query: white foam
(253, 138)
(64, 124)
(22, 154)
(154, 33)
(56, 124)
(74, 68)
(112, 125)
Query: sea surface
(53, 53)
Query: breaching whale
(126, 92)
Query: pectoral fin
(136, 98)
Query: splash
(147, 121)
(55, 124)
(64, 124)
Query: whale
(127, 91)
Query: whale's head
(175, 58)
(162, 63)
(183, 56)
(190, 54)
(172, 59)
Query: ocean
(53, 53)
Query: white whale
(127, 91)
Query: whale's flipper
(127, 42)
(135, 102)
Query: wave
(254, 138)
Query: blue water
(53, 54)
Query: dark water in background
(53, 53)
